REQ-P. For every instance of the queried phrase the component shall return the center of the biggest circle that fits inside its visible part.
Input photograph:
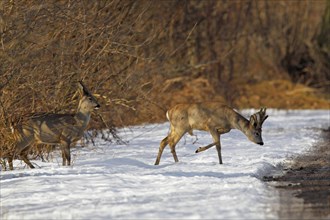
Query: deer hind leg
(3, 164)
(172, 145)
(161, 149)
(173, 140)
(22, 149)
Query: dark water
(304, 189)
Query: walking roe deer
(53, 129)
(214, 117)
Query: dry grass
(282, 94)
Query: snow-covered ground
(109, 181)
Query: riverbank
(304, 189)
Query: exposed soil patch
(305, 187)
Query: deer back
(199, 116)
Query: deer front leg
(216, 138)
(218, 146)
(66, 157)
(10, 162)
(63, 157)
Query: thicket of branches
(124, 50)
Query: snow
(109, 181)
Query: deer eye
(257, 134)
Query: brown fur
(214, 117)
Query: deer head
(255, 126)
(88, 102)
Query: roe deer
(53, 129)
(214, 117)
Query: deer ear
(82, 89)
(80, 85)
(253, 122)
(265, 118)
(262, 111)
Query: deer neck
(237, 121)
(83, 117)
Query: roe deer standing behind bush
(214, 117)
(52, 129)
